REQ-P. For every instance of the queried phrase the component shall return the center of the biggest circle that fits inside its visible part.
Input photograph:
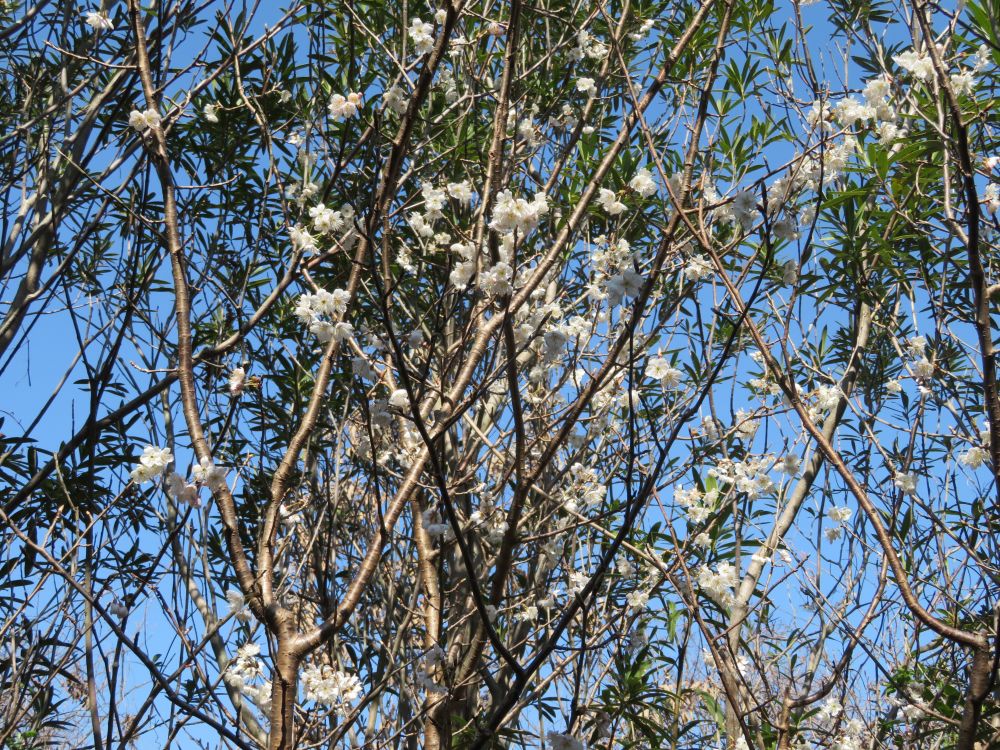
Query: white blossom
(718, 584)
(840, 515)
(181, 491)
(207, 473)
(789, 272)
(244, 667)
(608, 200)
(586, 86)
(141, 121)
(697, 268)
(329, 686)
(497, 281)
(991, 197)
(399, 399)
(237, 605)
(906, 482)
(964, 83)
(461, 191)
(517, 214)
(99, 20)
(395, 100)
(422, 36)
(628, 283)
(344, 107)
(326, 220)
(790, 464)
(152, 463)
(974, 457)
(643, 183)
(923, 368)
(237, 381)
(659, 369)
(302, 240)
(919, 66)
(559, 741)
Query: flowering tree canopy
(555, 374)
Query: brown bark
(284, 688)
(979, 687)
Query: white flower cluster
(790, 465)
(237, 605)
(628, 283)
(461, 191)
(498, 280)
(99, 20)
(586, 86)
(491, 521)
(840, 516)
(710, 428)
(697, 268)
(991, 197)
(718, 584)
(328, 220)
(659, 369)
(237, 381)
(584, 491)
(698, 505)
(434, 525)
(182, 491)
(421, 34)
(876, 108)
(395, 99)
(642, 183)
(789, 270)
(512, 214)
(245, 667)
(615, 276)
(975, 457)
(153, 462)
(829, 711)
(331, 687)
(910, 711)
(921, 366)
(141, 121)
(205, 473)
(906, 482)
(429, 661)
(435, 198)
(742, 209)
(745, 425)
(588, 46)
(827, 398)
(242, 672)
(876, 105)
(852, 737)
(446, 82)
(918, 65)
(748, 476)
(465, 268)
(608, 201)
(344, 107)
(559, 741)
(319, 310)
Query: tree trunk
(979, 688)
(284, 689)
